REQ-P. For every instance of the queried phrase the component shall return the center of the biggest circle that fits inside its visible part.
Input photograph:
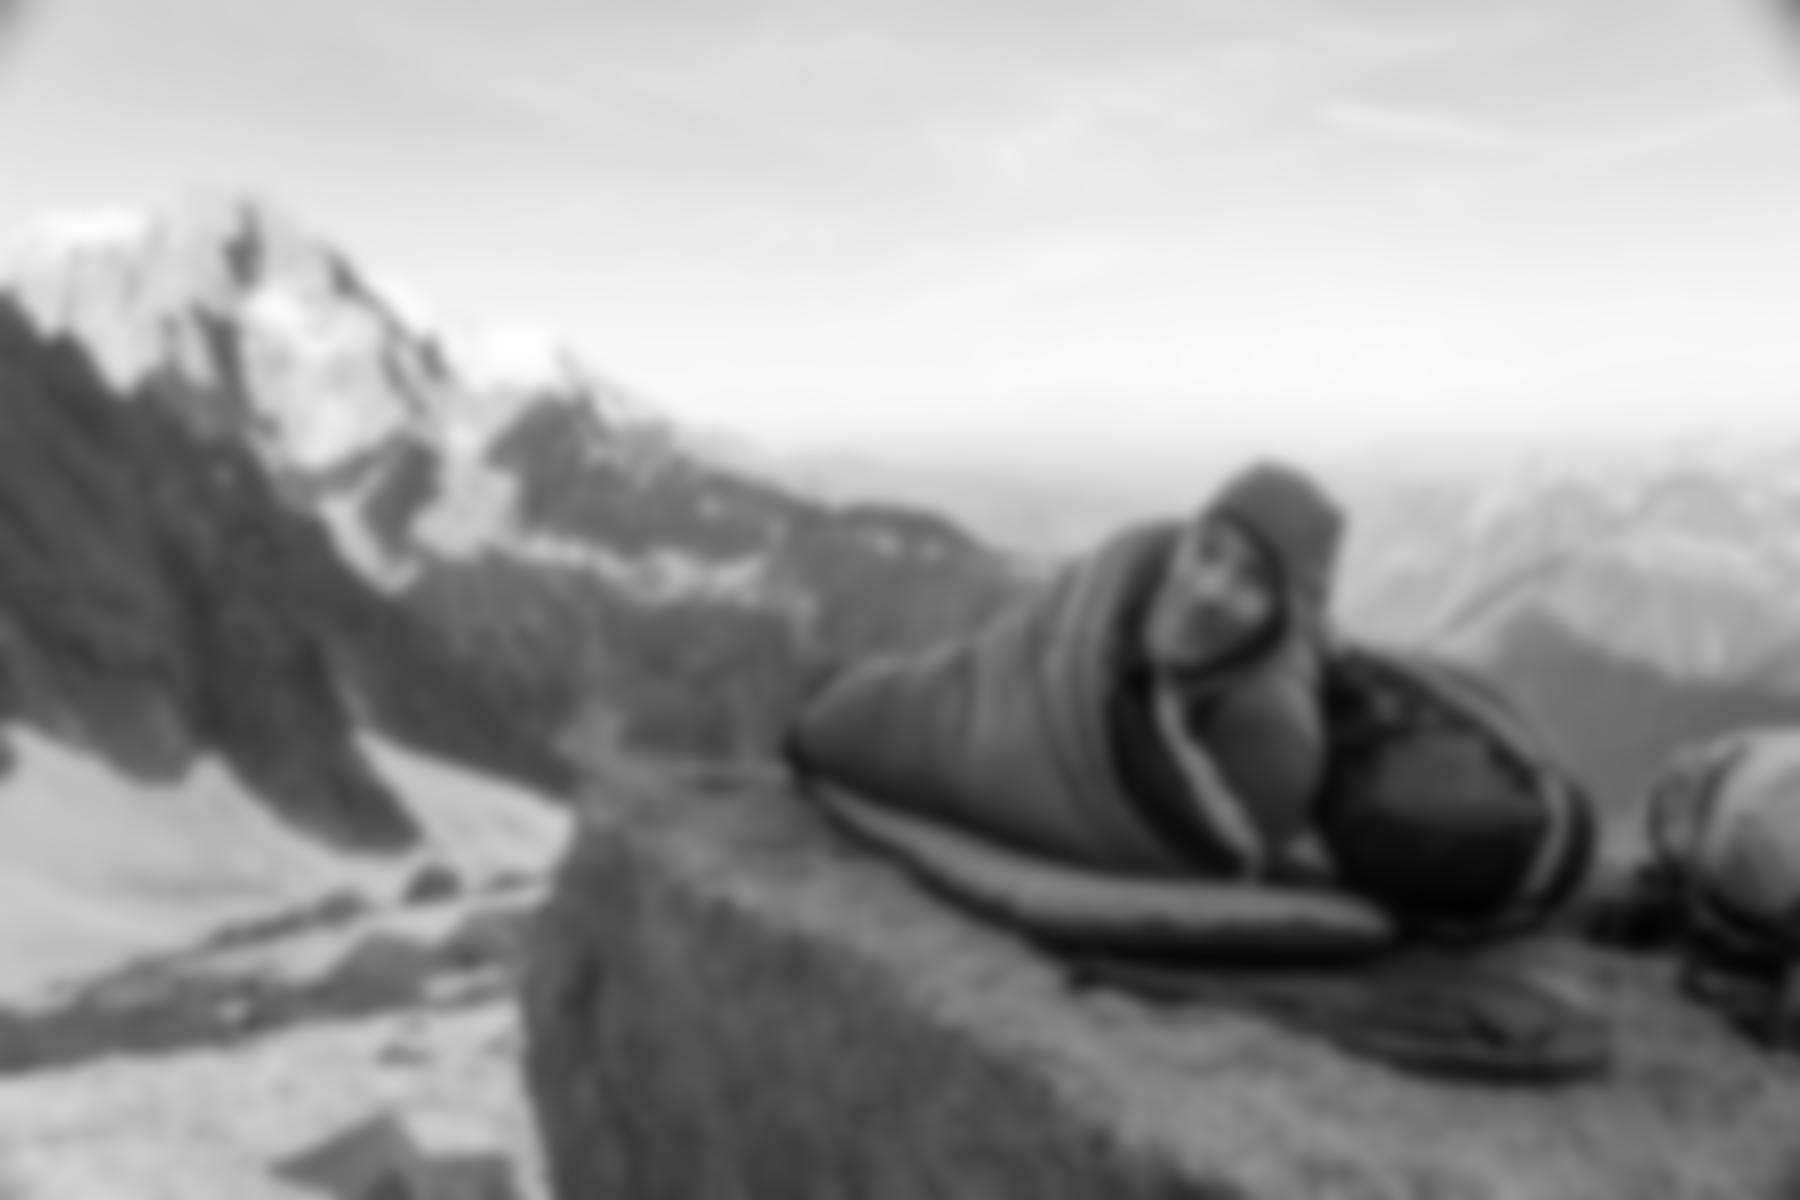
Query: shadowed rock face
(724, 1000)
(158, 603)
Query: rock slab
(727, 1001)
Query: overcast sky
(1065, 226)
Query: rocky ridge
(160, 604)
(614, 582)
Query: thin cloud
(1668, 141)
(1427, 33)
(1537, 160)
(683, 120)
(1436, 130)
(1038, 267)
(1679, 136)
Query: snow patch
(95, 866)
(49, 244)
(344, 520)
(481, 825)
(523, 361)
(317, 426)
(473, 512)
(94, 229)
(305, 327)
(409, 305)
(467, 420)
(326, 430)
(663, 576)
(514, 357)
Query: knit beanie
(1292, 517)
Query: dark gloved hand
(1640, 911)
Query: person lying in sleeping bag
(1173, 706)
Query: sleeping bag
(1016, 769)
(1013, 732)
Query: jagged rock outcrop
(726, 1001)
(403, 1156)
(618, 584)
(159, 604)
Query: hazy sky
(1031, 226)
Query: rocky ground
(198, 1074)
(213, 1123)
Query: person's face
(1219, 594)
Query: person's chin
(1199, 652)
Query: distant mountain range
(1630, 609)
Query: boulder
(431, 883)
(726, 1000)
(398, 1155)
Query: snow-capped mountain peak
(289, 339)
(584, 551)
